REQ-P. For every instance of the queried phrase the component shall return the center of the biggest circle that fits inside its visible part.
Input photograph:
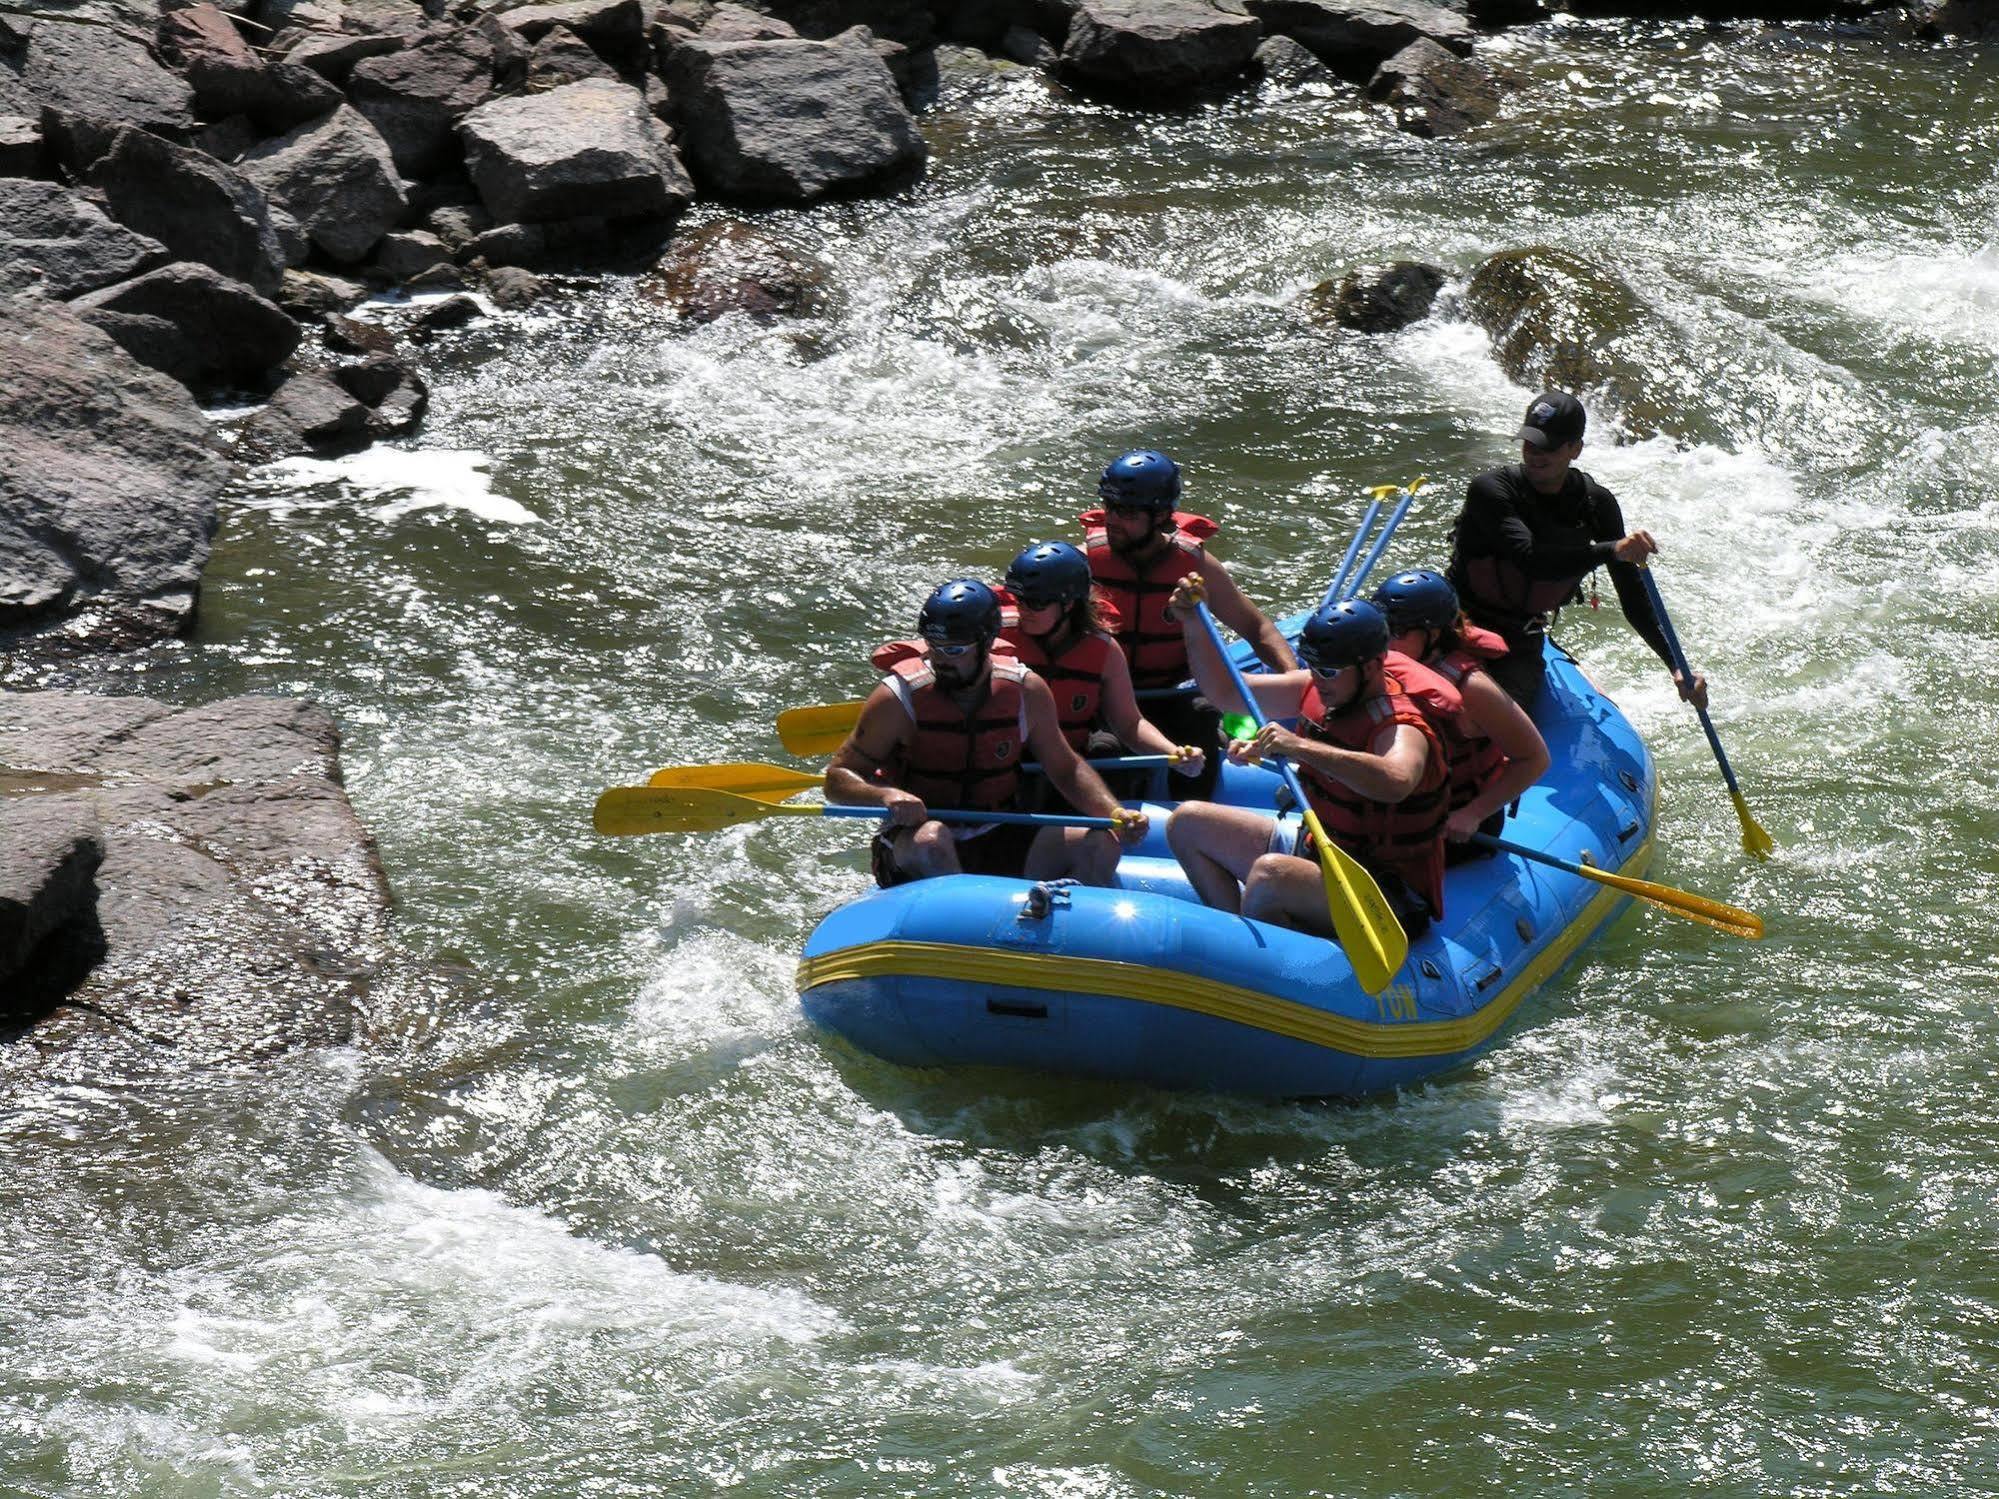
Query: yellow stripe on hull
(1372, 1039)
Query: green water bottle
(1238, 726)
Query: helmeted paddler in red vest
(1494, 750)
(1140, 546)
(1058, 633)
(949, 728)
(1369, 759)
(1531, 532)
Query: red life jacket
(1076, 677)
(1406, 837)
(959, 757)
(1474, 758)
(1135, 601)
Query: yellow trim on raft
(1183, 991)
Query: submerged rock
(1432, 92)
(108, 494)
(1377, 298)
(731, 267)
(242, 908)
(1354, 37)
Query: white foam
(1952, 297)
(407, 480)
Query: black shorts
(1001, 850)
(1189, 720)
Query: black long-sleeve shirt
(1550, 538)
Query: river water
(1717, 1217)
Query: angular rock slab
(243, 909)
(586, 150)
(1354, 37)
(56, 244)
(197, 207)
(95, 73)
(1157, 51)
(790, 121)
(50, 848)
(194, 324)
(108, 494)
(416, 97)
(336, 177)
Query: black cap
(1554, 420)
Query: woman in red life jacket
(1495, 752)
(950, 727)
(1140, 546)
(1369, 760)
(1059, 636)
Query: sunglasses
(954, 651)
(1328, 672)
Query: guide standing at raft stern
(1528, 535)
(1140, 545)
(949, 728)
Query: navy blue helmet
(961, 612)
(1344, 634)
(1145, 477)
(1049, 572)
(1421, 600)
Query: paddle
(1386, 535)
(1380, 492)
(1374, 941)
(626, 810)
(1731, 919)
(819, 730)
(776, 783)
(1755, 841)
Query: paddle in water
(1755, 842)
(623, 811)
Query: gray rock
(1432, 92)
(194, 205)
(307, 294)
(50, 848)
(1157, 51)
(1290, 64)
(334, 57)
(242, 907)
(561, 56)
(908, 23)
(1354, 37)
(20, 147)
(416, 97)
(193, 323)
(513, 288)
(227, 140)
(229, 78)
(616, 28)
(507, 245)
(1029, 48)
(294, 244)
(336, 177)
(732, 267)
(791, 121)
(107, 498)
(1497, 14)
(310, 411)
(408, 252)
(457, 225)
(58, 244)
(392, 390)
(346, 335)
(588, 149)
(737, 23)
(1377, 298)
(92, 73)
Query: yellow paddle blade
(767, 783)
(626, 810)
(818, 730)
(1731, 919)
(1374, 941)
(1755, 842)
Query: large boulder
(615, 29)
(242, 908)
(193, 323)
(561, 57)
(334, 57)
(58, 244)
(107, 497)
(50, 848)
(1432, 92)
(1559, 320)
(1354, 37)
(193, 204)
(586, 150)
(790, 121)
(91, 73)
(336, 177)
(228, 78)
(729, 267)
(417, 96)
(1157, 51)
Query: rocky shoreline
(194, 197)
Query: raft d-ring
(1042, 897)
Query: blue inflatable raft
(1143, 983)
